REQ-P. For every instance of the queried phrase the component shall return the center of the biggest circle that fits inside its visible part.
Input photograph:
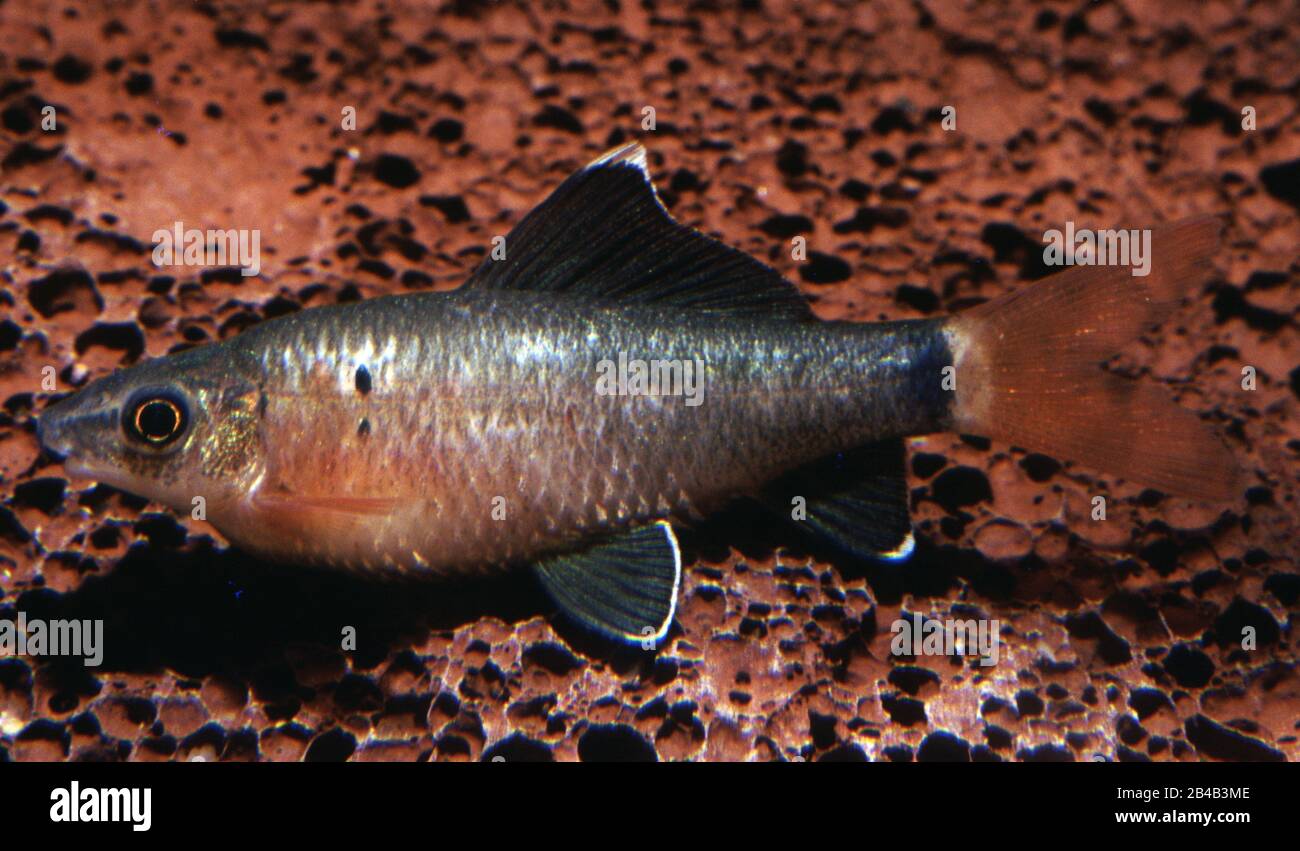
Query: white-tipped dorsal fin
(605, 235)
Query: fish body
(613, 374)
(473, 429)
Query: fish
(609, 377)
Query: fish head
(170, 429)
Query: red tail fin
(1028, 370)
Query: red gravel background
(1121, 639)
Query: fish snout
(70, 428)
(52, 435)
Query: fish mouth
(81, 470)
(51, 437)
(43, 437)
(56, 432)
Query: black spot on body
(363, 430)
(363, 380)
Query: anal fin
(856, 501)
(625, 587)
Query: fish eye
(156, 418)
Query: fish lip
(47, 433)
(55, 428)
(77, 470)
(49, 436)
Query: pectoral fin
(625, 588)
(309, 516)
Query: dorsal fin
(604, 234)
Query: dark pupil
(157, 420)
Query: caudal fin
(1029, 370)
